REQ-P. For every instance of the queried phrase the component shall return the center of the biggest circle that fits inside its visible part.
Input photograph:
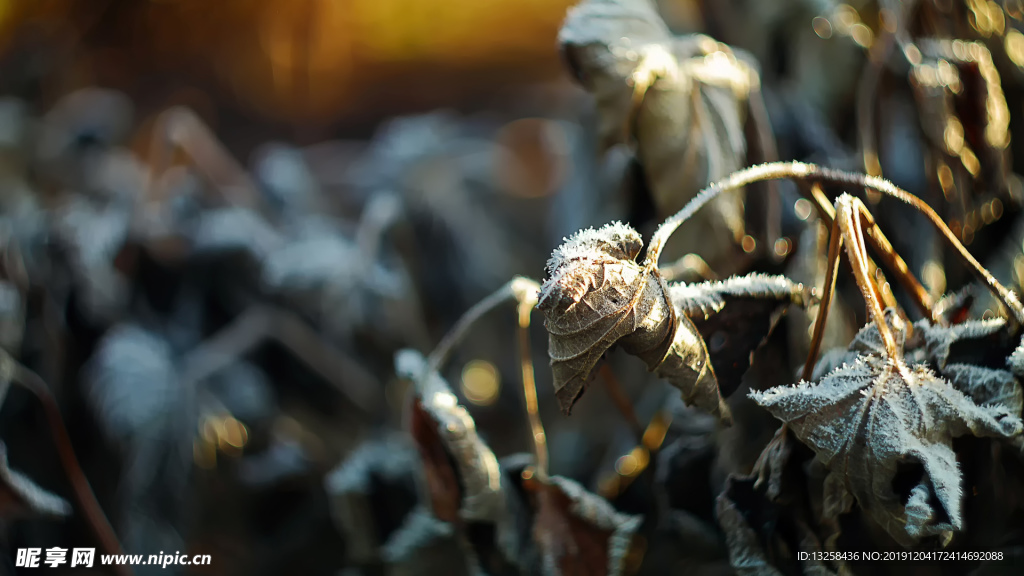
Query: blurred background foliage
(222, 219)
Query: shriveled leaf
(596, 38)
(688, 127)
(578, 532)
(461, 472)
(596, 296)
(878, 418)
(133, 387)
(735, 316)
(21, 497)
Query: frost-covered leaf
(688, 128)
(578, 532)
(372, 494)
(20, 497)
(132, 381)
(735, 316)
(971, 355)
(597, 295)
(93, 235)
(132, 385)
(885, 428)
(233, 229)
(462, 473)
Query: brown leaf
(579, 533)
(885, 428)
(462, 473)
(597, 296)
(687, 121)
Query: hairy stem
(813, 173)
(518, 289)
(848, 212)
(828, 289)
(540, 442)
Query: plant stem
(84, 495)
(813, 173)
(517, 288)
(540, 443)
(828, 289)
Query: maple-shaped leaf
(597, 295)
(682, 100)
(462, 473)
(20, 497)
(578, 532)
(878, 417)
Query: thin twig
(260, 323)
(180, 127)
(621, 401)
(828, 289)
(508, 291)
(527, 301)
(848, 212)
(881, 246)
(84, 496)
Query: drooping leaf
(735, 317)
(597, 295)
(688, 127)
(579, 533)
(878, 418)
(132, 385)
(462, 473)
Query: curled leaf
(885, 428)
(578, 532)
(597, 296)
(462, 473)
(682, 100)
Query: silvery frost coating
(610, 528)
(688, 129)
(479, 477)
(597, 295)
(875, 416)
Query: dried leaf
(577, 531)
(885, 428)
(20, 497)
(462, 473)
(597, 296)
(735, 317)
(688, 127)
(373, 493)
